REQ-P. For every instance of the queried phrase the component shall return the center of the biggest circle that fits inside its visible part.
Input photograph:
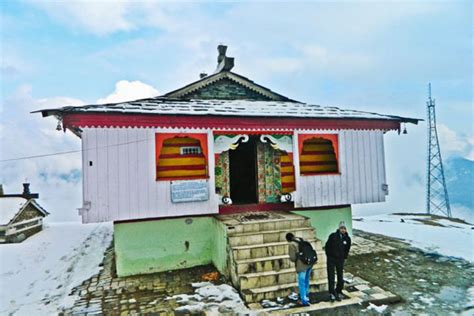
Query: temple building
(220, 170)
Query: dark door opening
(243, 173)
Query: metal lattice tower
(437, 200)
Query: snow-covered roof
(243, 108)
(11, 206)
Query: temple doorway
(243, 172)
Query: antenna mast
(437, 200)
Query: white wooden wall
(121, 185)
(362, 172)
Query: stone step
(270, 278)
(269, 236)
(274, 263)
(281, 290)
(268, 225)
(266, 249)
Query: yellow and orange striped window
(318, 155)
(287, 172)
(181, 157)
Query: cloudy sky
(376, 56)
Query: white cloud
(109, 16)
(454, 144)
(128, 91)
(57, 178)
(98, 17)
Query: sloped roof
(242, 108)
(185, 91)
(10, 207)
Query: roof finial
(224, 63)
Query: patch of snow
(194, 308)
(379, 309)
(455, 240)
(40, 272)
(470, 303)
(218, 293)
(427, 300)
(201, 284)
(210, 298)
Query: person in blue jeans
(303, 270)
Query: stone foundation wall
(169, 244)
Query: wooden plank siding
(119, 174)
(361, 173)
(121, 183)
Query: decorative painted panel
(269, 177)
(318, 155)
(287, 172)
(180, 157)
(222, 174)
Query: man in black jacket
(337, 249)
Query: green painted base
(327, 221)
(169, 244)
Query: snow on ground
(450, 239)
(37, 275)
(375, 308)
(213, 299)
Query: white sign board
(189, 191)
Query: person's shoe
(332, 298)
(303, 303)
(340, 297)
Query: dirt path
(427, 283)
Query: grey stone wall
(226, 89)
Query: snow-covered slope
(432, 234)
(37, 275)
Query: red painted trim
(253, 132)
(320, 173)
(182, 178)
(230, 209)
(317, 152)
(182, 167)
(164, 156)
(318, 163)
(181, 145)
(286, 164)
(284, 174)
(72, 120)
(287, 184)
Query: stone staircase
(259, 264)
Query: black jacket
(337, 247)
